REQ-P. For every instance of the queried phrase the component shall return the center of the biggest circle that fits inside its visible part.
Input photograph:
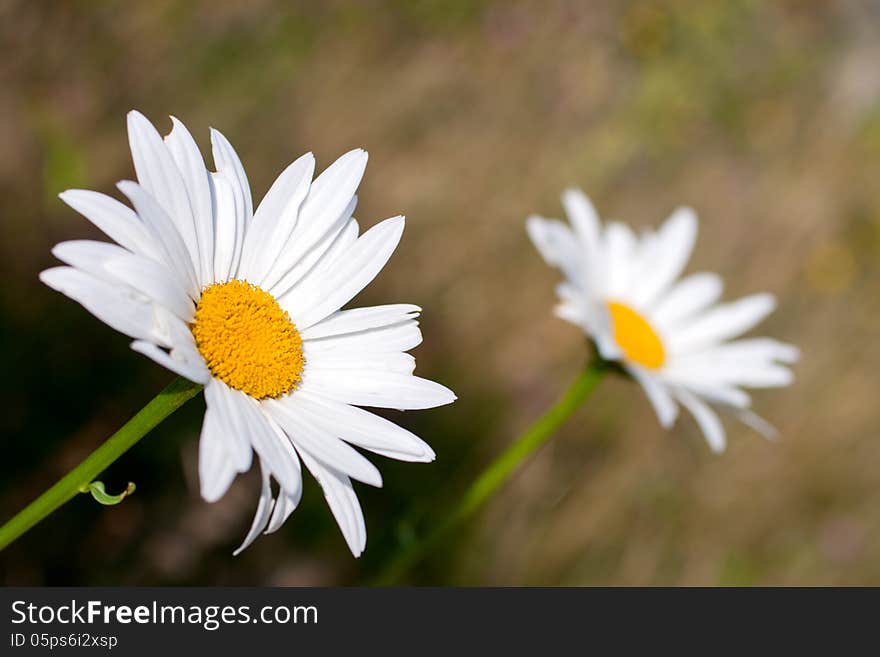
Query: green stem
(162, 405)
(500, 470)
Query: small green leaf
(96, 488)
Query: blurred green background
(765, 117)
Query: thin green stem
(499, 471)
(160, 407)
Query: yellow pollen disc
(248, 340)
(633, 334)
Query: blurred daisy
(247, 303)
(669, 333)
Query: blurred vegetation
(764, 116)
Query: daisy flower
(669, 333)
(247, 302)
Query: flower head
(248, 303)
(669, 333)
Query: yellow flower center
(634, 335)
(248, 340)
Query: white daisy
(247, 303)
(668, 333)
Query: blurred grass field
(763, 116)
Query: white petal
(114, 264)
(164, 233)
(115, 305)
(608, 347)
(271, 513)
(574, 313)
(688, 297)
(225, 228)
(346, 238)
(191, 369)
(724, 395)
(216, 471)
(576, 307)
(714, 392)
(770, 376)
(287, 500)
(287, 192)
(275, 219)
(658, 395)
(323, 211)
(620, 245)
(396, 337)
(706, 418)
(758, 350)
(378, 389)
(343, 503)
(299, 424)
(584, 218)
(235, 432)
(385, 361)
(675, 242)
(757, 423)
(158, 174)
(154, 280)
(284, 506)
(264, 511)
(269, 444)
(196, 178)
(361, 319)
(226, 161)
(722, 322)
(710, 368)
(648, 251)
(89, 256)
(320, 258)
(324, 294)
(569, 293)
(365, 429)
(240, 211)
(170, 331)
(559, 248)
(119, 222)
